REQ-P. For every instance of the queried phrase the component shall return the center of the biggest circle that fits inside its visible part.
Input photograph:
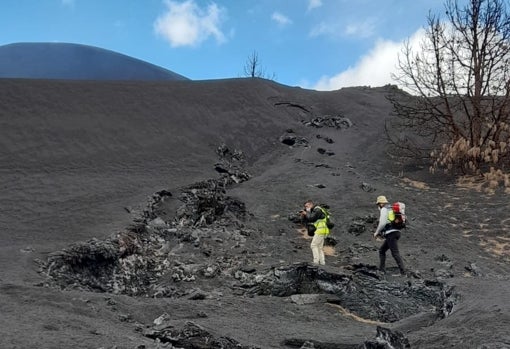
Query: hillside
(67, 61)
(162, 214)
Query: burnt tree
(457, 84)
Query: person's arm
(383, 220)
(314, 215)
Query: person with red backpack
(389, 229)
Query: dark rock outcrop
(338, 122)
(363, 292)
(387, 339)
(191, 336)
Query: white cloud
(68, 2)
(363, 29)
(323, 29)
(186, 24)
(373, 69)
(280, 19)
(314, 4)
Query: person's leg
(322, 260)
(382, 256)
(393, 245)
(315, 248)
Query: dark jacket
(314, 215)
(311, 217)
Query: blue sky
(318, 44)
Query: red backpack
(398, 215)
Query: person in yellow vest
(389, 233)
(315, 219)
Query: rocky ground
(163, 215)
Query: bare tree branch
(459, 80)
(253, 68)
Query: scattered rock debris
(338, 122)
(148, 259)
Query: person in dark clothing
(390, 234)
(314, 218)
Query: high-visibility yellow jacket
(318, 217)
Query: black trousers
(391, 243)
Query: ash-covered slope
(67, 61)
(69, 144)
(156, 214)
